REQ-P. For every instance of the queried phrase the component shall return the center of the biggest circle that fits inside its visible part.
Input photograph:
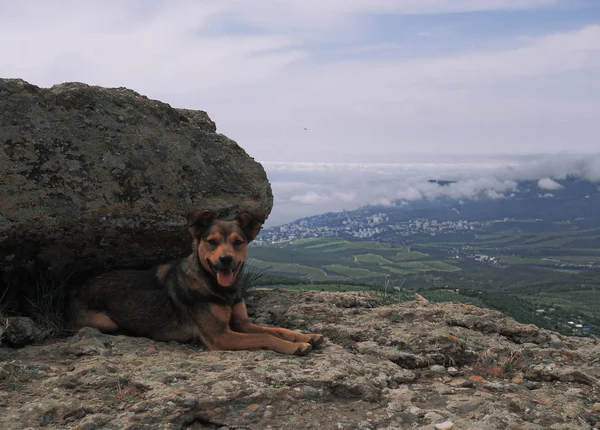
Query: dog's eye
(237, 242)
(212, 242)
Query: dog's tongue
(225, 278)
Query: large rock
(103, 177)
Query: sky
(410, 82)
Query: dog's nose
(226, 260)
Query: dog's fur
(196, 298)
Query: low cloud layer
(303, 189)
(549, 184)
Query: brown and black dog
(198, 297)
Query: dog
(196, 298)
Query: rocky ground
(408, 365)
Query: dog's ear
(198, 221)
(251, 223)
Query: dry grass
(48, 303)
(4, 322)
(17, 376)
(498, 364)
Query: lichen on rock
(94, 178)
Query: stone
(93, 422)
(468, 406)
(19, 331)
(436, 369)
(433, 416)
(452, 371)
(446, 425)
(462, 383)
(596, 407)
(79, 197)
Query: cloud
(408, 193)
(479, 102)
(163, 49)
(264, 77)
(323, 15)
(549, 184)
(316, 198)
(309, 198)
(558, 166)
(322, 187)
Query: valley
(542, 268)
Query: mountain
(572, 200)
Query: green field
(513, 259)
(537, 270)
(295, 270)
(371, 258)
(333, 260)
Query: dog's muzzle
(224, 270)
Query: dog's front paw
(302, 348)
(316, 339)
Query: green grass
(422, 266)
(579, 259)
(319, 243)
(371, 258)
(442, 266)
(333, 259)
(554, 260)
(352, 272)
(511, 259)
(334, 244)
(398, 270)
(294, 270)
(404, 254)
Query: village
(578, 328)
(370, 227)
